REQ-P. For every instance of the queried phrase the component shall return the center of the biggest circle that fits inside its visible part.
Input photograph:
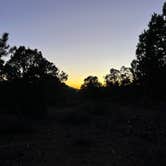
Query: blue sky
(82, 37)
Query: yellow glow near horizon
(73, 84)
(76, 83)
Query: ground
(91, 133)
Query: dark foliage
(150, 64)
(91, 87)
(24, 79)
(4, 49)
(91, 82)
(116, 78)
(113, 78)
(29, 64)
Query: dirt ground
(86, 135)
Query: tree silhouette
(113, 78)
(91, 87)
(91, 82)
(126, 76)
(28, 64)
(4, 50)
(25, 77)
(164, 9)
(150, 65)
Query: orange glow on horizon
(74, 84)
(77, 83)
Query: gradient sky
(82, 37)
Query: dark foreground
(90, 134)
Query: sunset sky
(82, 37)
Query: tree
(91, 82)
(164, 9)
(126, 76)
(26, 76)
(91, 88)
(149, 67)
(118, 78)
(113, 78)
(4, 49)
(29, 64)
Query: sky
(81, 37)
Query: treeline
(147, 75)
(29, 82)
